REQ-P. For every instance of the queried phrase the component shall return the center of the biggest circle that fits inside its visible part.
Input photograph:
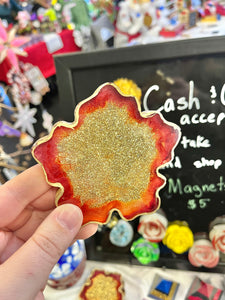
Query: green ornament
(145, 251)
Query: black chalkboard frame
(69, 65)
(73, 88)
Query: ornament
(69, 267)
(145, 251)
(153, 226)
(47, 120)
(4, 99)
(121, 234)
(9, 45)
(202, 254)
(25, 139)
(36, 98)
(8, 130)
(20, 88)
(217, 233)
(179, 237)
(25, 118)
(36, 78)
(108, 158)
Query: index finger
(21, 191)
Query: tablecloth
(38, 55)
(137, 281)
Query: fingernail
(69, 216)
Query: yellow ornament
(178, 238)
(54, 2)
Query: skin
(2, 2)
(33, 234)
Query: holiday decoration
(25, 118)
(9, 45)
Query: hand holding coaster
(108, 158)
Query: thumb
(27, 270)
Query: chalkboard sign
(185, 81)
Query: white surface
(53, 42)
(138, 281)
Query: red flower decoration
(153, 227)
(108, 158)
(202, 254)
(217, 237)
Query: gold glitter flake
(109, 157)
(103, 287)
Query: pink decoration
(153, 227)
(217, 237)
(9, 45)
(203, 254)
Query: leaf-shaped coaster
(108, 158)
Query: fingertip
(87, 231)
(69, 216)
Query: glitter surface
(103, 285)
(109, 157)
(102, 288)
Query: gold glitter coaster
(108, 158)
(103, 285)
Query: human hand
(33, 234)
(2, 2)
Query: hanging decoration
(25, 118)
(9, 45)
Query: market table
(38, 55)
(137, 281)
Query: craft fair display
(112, 159)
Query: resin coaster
(163, 289)
(102, 285)
(201, 290)
(108, 158)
